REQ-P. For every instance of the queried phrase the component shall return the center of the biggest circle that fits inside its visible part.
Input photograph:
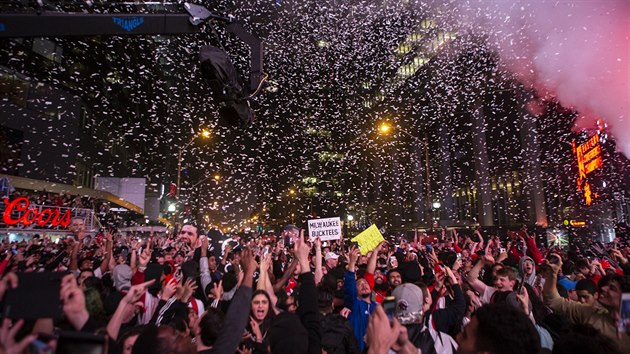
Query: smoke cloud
(575, 51)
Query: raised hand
(145, 257)
(265, 263)
(217, 290)
(10, 281)
(553, 267)
(450, 274)
(380, 334)
(135, 292)
(345, 312)
(169, 289)
(256, 329)
(73, 302)
(318, 243)
(301, 250)
(8, 345)
(353, 256)
(488, 259)
(188, 289)
(248, 262)
(523, 299)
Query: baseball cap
(291, 227)
(331, 255)
(409, 301)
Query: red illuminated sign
(589, 159)
(45, 216)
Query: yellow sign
(368, 239)
(577, 223)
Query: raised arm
(264, 282)
(307, 297)
(473, 276)
(285, 277)
(124, 311)
(74, 257)
(318, 261)
(350, 282)
(550, 292)
(238, 312)
(204, 272)
(534, 252)
(371, 266)
(108, 251)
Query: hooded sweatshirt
(529, 279)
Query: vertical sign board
(325, 229)
(589, 159)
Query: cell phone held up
(37, 296)
(389, 306)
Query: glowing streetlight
(384, 128)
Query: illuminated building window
(403, 49)
(310, 191)
(317, 132)
(323, 44)
(427, 23)
(328, 156)
(415, 37)
(309, 180)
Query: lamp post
(204, 133)
(385, 128)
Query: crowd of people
(204, 293)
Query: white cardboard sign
(325, 229)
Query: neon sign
(577, 223)
(589, 159)
(45, 216)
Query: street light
(384, 128)
(204, 133)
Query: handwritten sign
(368, 239)
(325, 229)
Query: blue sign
(128, 23)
